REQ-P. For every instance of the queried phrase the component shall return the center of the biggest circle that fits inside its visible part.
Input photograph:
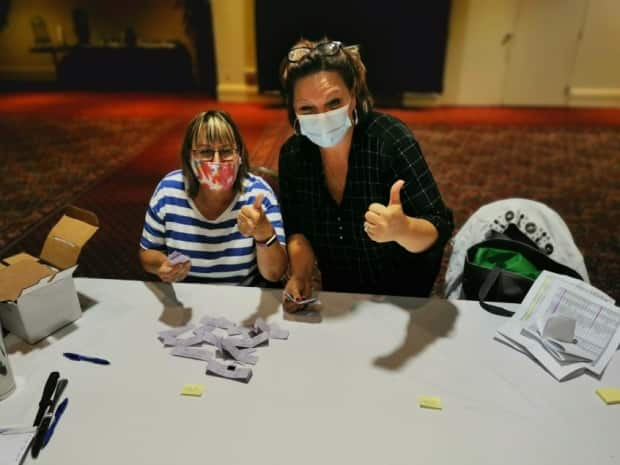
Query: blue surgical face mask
(326, 129)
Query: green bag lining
(509, 260)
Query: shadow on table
(331, 305)
(429, 320)
(268, 305)
(337, 306)
(21, 346)
(174, 312)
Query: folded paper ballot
(174, 332)
(225, 338)
(177, 257)
(229, 370)
(252, 339)
(169, 341)
(189, 341)
(566, 325)
(212, 339)
(219, 322)
(229, 350)
(192, 352)
(234, 330)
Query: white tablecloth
(340, 391)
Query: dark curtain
(403, 43)
(4, 13)
(199, 26)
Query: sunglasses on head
(324, 48)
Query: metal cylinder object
(7, 381)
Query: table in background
(340, 391)
(154, 67)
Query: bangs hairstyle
(347, 62)
(214, 127)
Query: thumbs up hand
(385, 223)
(252, 220)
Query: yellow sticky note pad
(432, 402)
(193, 390)
(609, 395)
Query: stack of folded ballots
(234, 345)
(566, 325)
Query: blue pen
(59, 411)
(84, 358)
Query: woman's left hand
(253, 222)
(387, 223)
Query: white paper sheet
(597, 330)
(14, 444)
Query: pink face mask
(216, 175)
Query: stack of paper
(566, 325)
(235, 345)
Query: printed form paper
(597, 333)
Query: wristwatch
(268, 242)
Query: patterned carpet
(575, 169)
(49, 162)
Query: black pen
(37, 442)
(51, 394)
(46, 397)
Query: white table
(342, 391)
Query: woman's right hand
(296, 289)
(170, 273)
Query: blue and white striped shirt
(218, 251)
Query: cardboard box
(37, 295)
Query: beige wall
(476, 61)
(477, 52)
(233, 23)
(596, 77)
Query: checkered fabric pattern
(383, 150)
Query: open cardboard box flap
(20, 257)
(19, 276)
(61, 250)
(65, 241)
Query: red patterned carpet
(106, 152)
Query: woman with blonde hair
(221, 220)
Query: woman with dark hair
(357, 196)
(223, 221)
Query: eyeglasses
(324, 48)
(208, 153)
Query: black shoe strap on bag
(484, 292)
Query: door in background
(542, 52)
